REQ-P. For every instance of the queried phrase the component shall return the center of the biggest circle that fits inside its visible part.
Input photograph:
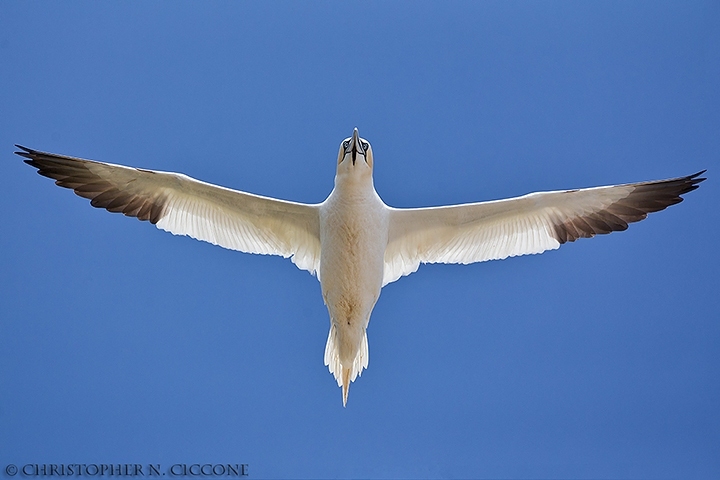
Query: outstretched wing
(533, 223)
(184, 206)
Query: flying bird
(352, 241)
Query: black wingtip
(695, 176)
(27, 153)
(695, 180)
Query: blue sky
(122, 343)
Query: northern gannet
(352, 241)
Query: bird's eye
(365, 146)
(345, 144)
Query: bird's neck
(354, 187)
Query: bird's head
(355, 157)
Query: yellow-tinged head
(355, 155)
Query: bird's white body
(353, 238)
(353, 241)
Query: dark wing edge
(73, 173)
(645, 198)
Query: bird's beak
(355, 146)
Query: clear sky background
(122, 343)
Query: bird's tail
(345, 384)
(344, 375)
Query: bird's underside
(465, 233)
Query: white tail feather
(332, 360)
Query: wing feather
(184, 206)
(530, 224)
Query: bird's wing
(185, 206)
(533, 223)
